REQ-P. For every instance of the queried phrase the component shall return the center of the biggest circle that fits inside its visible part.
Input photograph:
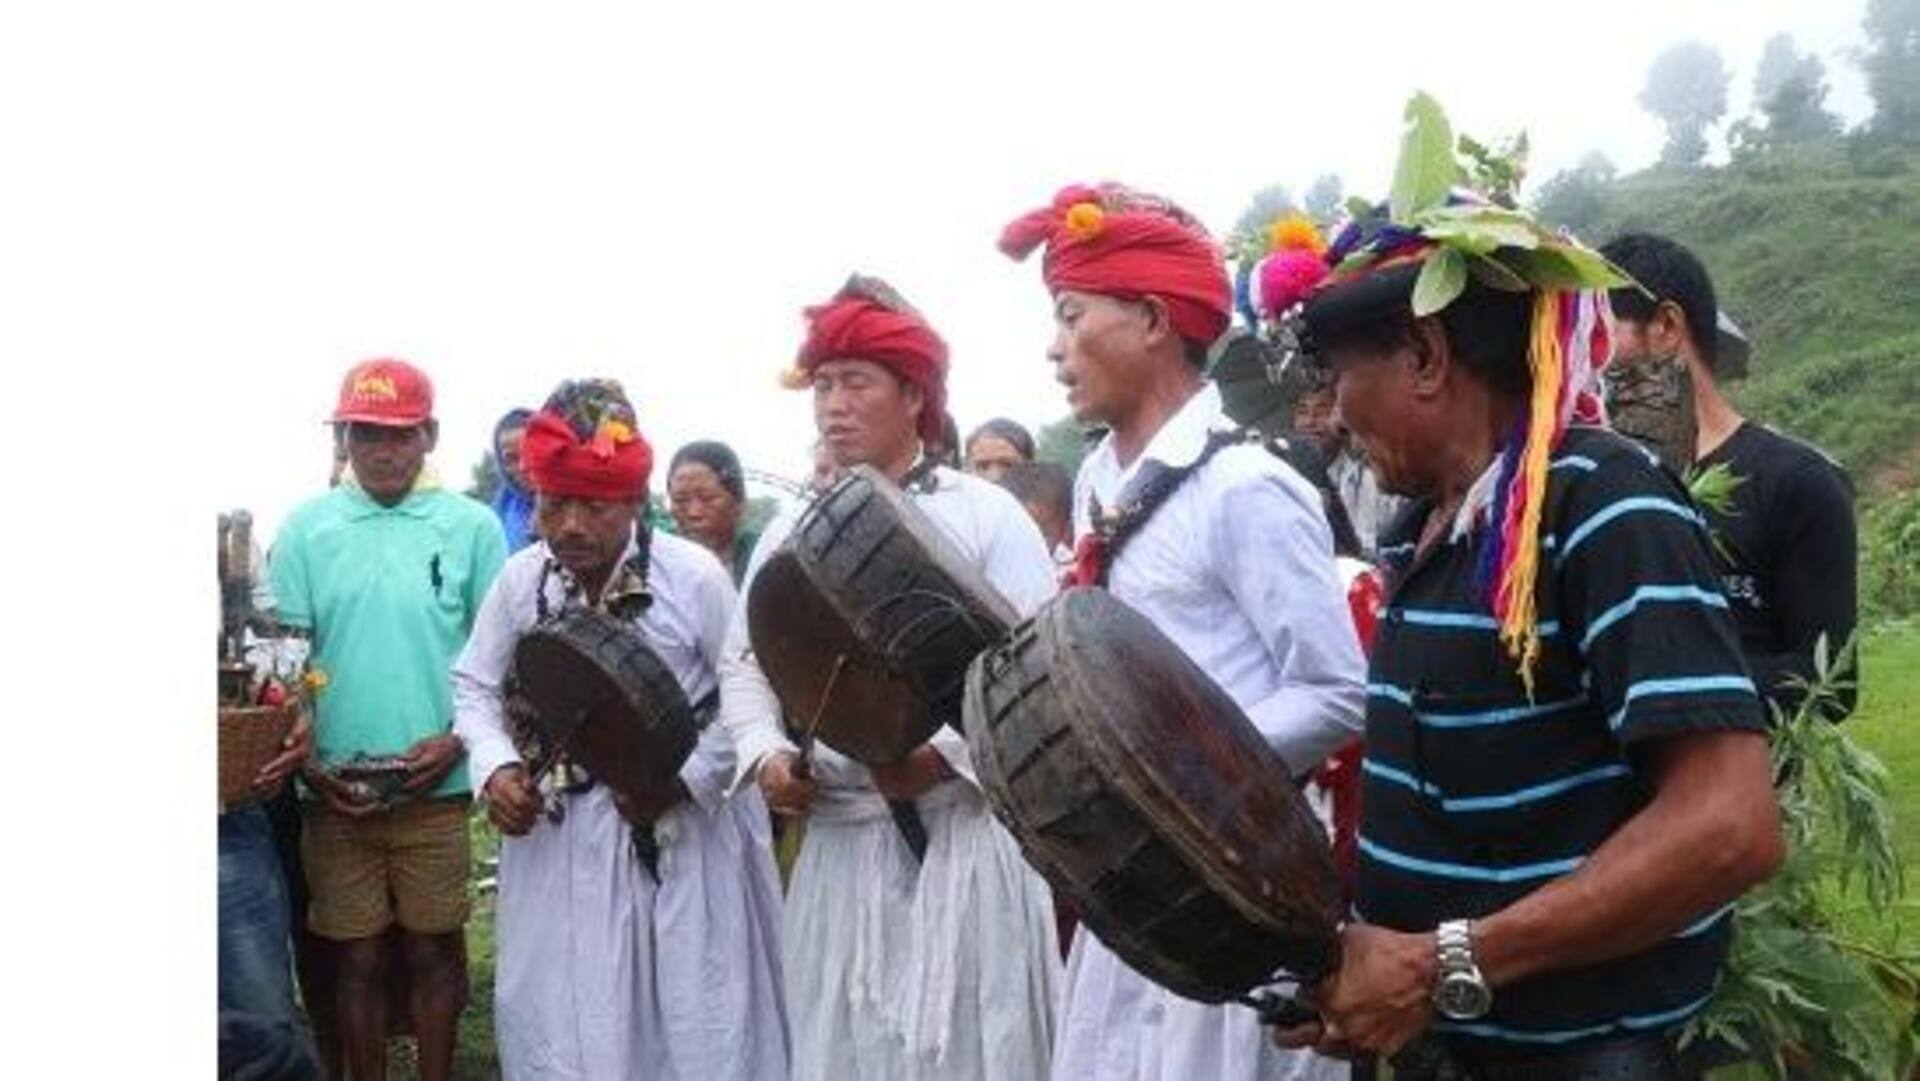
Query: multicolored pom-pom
(1295, 232)
(609, 437)
(1286, 277)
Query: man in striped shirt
(1549, 845)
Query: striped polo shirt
(1474, 794)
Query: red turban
(585, 444)
(1119, 242)
(868, 321)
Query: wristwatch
(1460, 993)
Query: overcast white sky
(259, 195)
(209, 211)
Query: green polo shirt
(389, 595)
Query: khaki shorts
(408, 865)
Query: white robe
(604, 972)
(1237, 568)
(898, 972)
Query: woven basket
(250, 737)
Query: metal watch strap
(1453, 941)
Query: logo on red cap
(385, 391)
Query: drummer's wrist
(1500, 949)
(511, 763)
(759, 771)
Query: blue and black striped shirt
(1475, 795)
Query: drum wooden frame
(1142, 794)
(869, 604)
(601, 694)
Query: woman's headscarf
(512, 502)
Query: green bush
(1890, 558)
(1812, 248)
(1860, 405)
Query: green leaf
(1495, 275)
(1563, 266)
(1354, 262)
(1358, 208)
(1442, 277)
(1593, 267)
(1485, 212)
(1482, 237)
(1713, 488)
(1427, 167)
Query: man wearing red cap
(385, 572)
(900, 966)
(632, 942)
(1221, 544)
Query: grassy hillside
(1816, 252)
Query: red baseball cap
(385, 391)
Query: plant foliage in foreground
(1799, 992)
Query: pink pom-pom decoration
(1286, 278)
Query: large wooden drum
(1143, 795)
(593, 688)
(865, 620)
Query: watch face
(1462, 997)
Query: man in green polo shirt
(386, 572)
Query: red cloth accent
(1340, 774)
(385, 391)
(559, 463)
(1143, 246)
(1089, 558)
(852, 327)
(1366, 596)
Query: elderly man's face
(1100, 354)
(866, 415)
(388, 459)
(1374, 399)
(587, 536)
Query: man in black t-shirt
(1785, 546)
(1566, 783)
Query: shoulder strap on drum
(1113, 530)
(920, 479)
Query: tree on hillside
(484, 479)
(1779, 61)
(1268, 203)
(1687, 89)
(1063, 442)
(1790, 89)
(1891, 63)
(759, 510)
(1576, 198)
(1323, 198)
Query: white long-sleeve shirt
(685, 625)
(607, 970)
(944, 970)
(1237, 568)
